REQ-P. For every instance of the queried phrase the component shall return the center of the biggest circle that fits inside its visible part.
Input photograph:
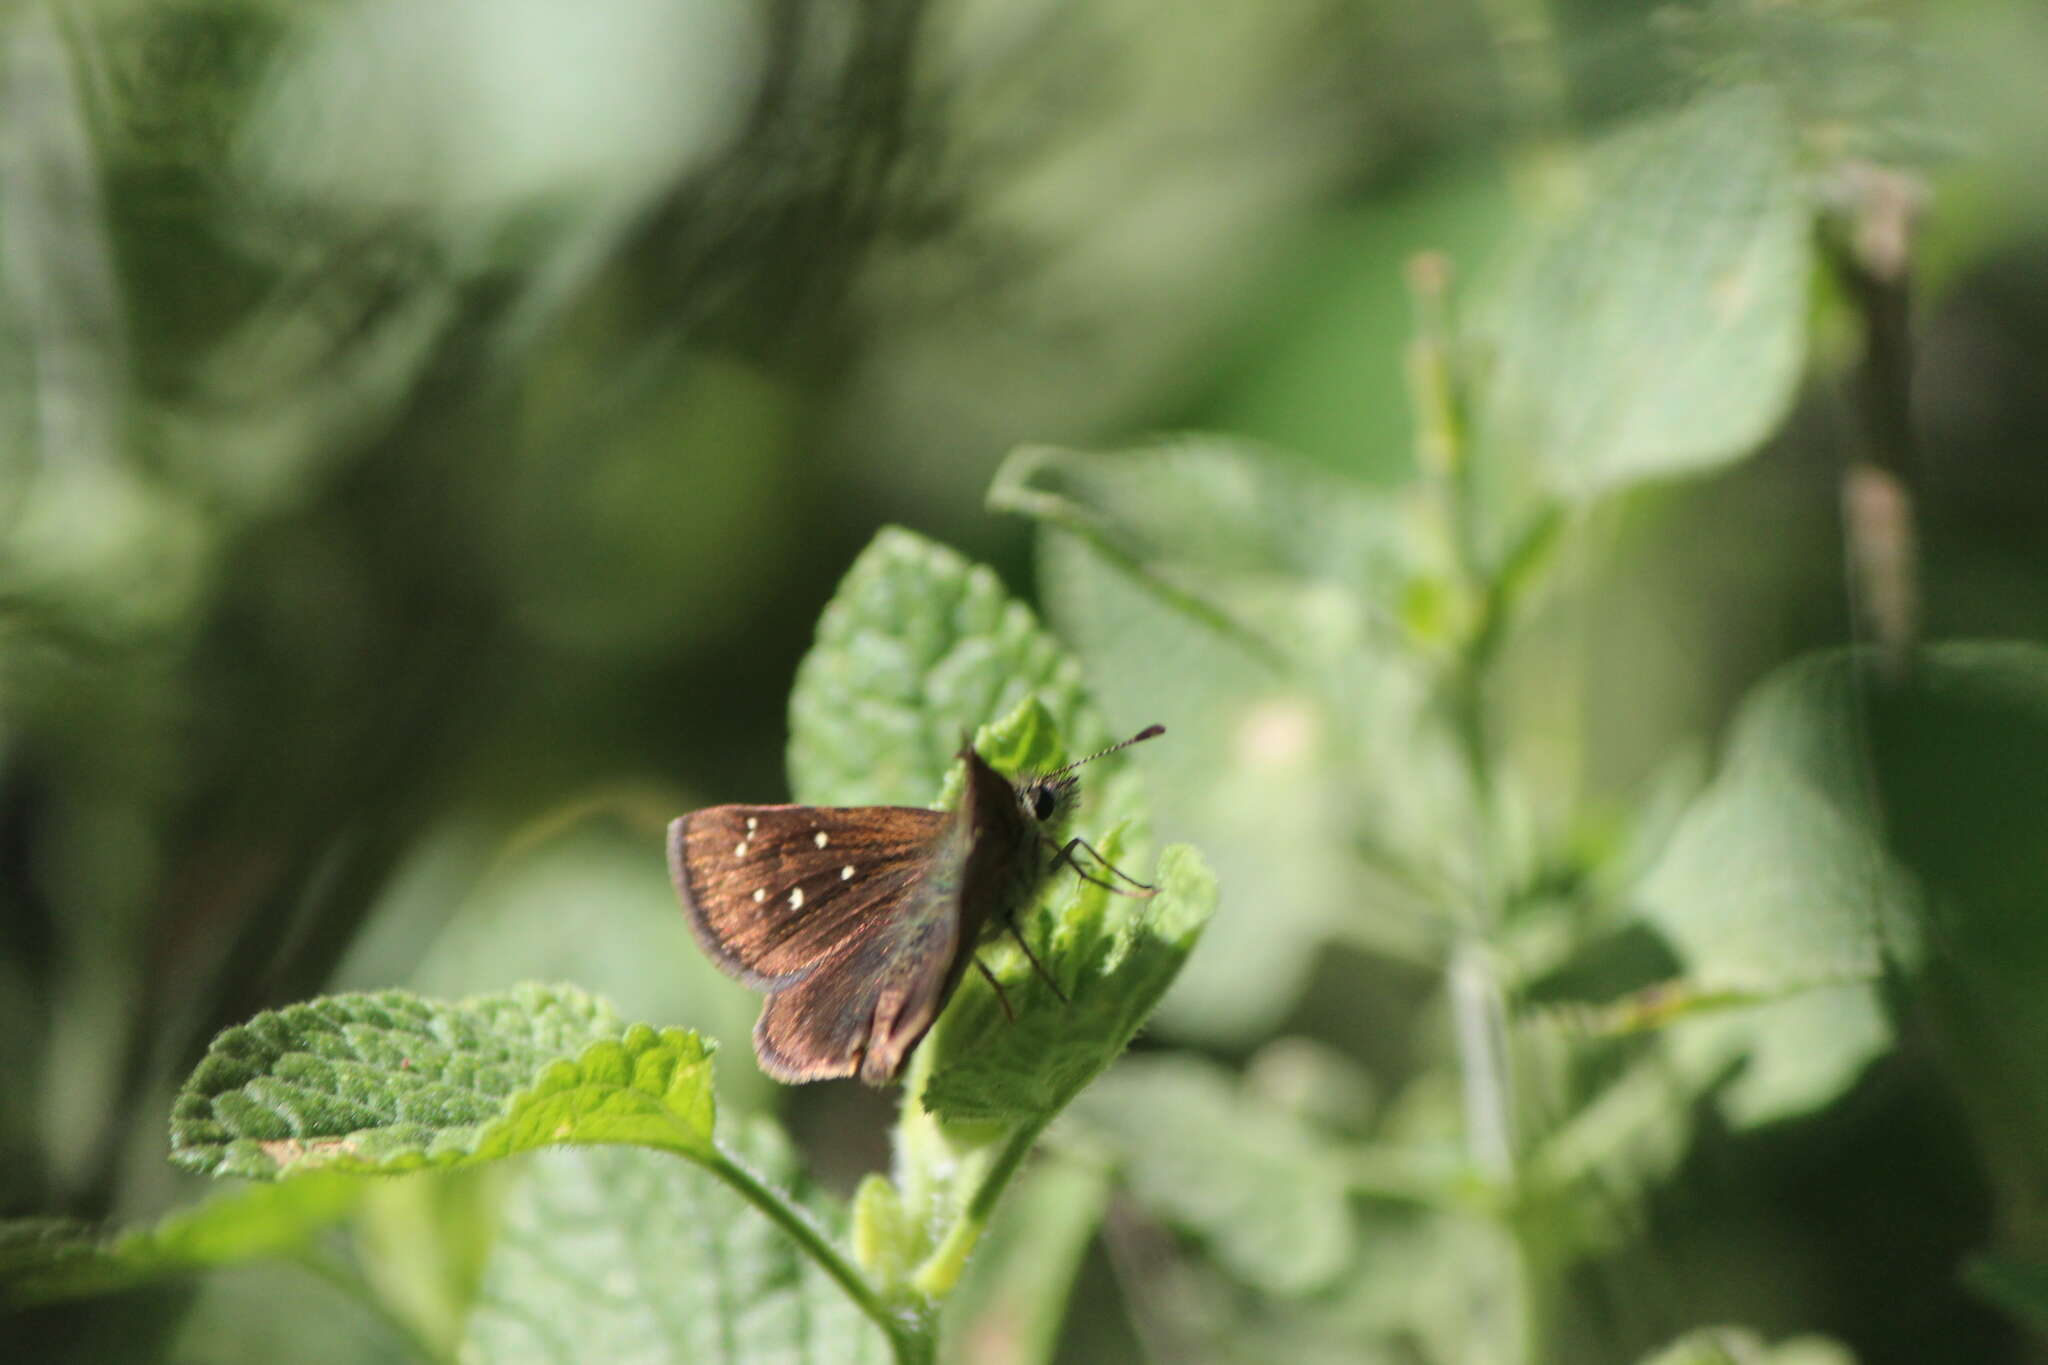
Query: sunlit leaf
(1777, 883)
(393, 1082)
(1114, 957)
(917, 650)
(1248, 602)
(1659, 327)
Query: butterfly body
(859, 921)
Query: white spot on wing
(740, 849)
(753, 823)
(821, 838)
(846, 873)
(759, 895)
(796, 898)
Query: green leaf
(1660, 328)
(49, 1259)
(916, 650)
(1776, 877)
(570, 895)
(1848, 811)
(392, 1082)
(422, 1241)
(635, 1258)
(1230, 534)
(270, 1311)
(1114, 957)
(1776, 883)
(1591, 1170)
(1295, 717)
(1796, 1053)
(1264, 1192)
(982, 1086)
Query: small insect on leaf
(859, 921)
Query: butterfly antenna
(1149, 732)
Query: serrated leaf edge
(684, 1112)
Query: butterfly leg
(997, 987)
(1065, 857)
(1036, 965)
(1110, 887)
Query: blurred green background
(430, 428)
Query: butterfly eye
(1043, 803)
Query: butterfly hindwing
(774, 891)
(862, 1010)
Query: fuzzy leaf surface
(918, 648)
(1114, 957)
(392, 1082)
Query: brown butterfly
(859, 921)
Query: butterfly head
(1049, 798)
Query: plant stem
(909, 1331)
(1479, 1017)
(941, 1270)
(1487, 585)
(1871, 249)
(1437, 388)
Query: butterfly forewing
(775, 891)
